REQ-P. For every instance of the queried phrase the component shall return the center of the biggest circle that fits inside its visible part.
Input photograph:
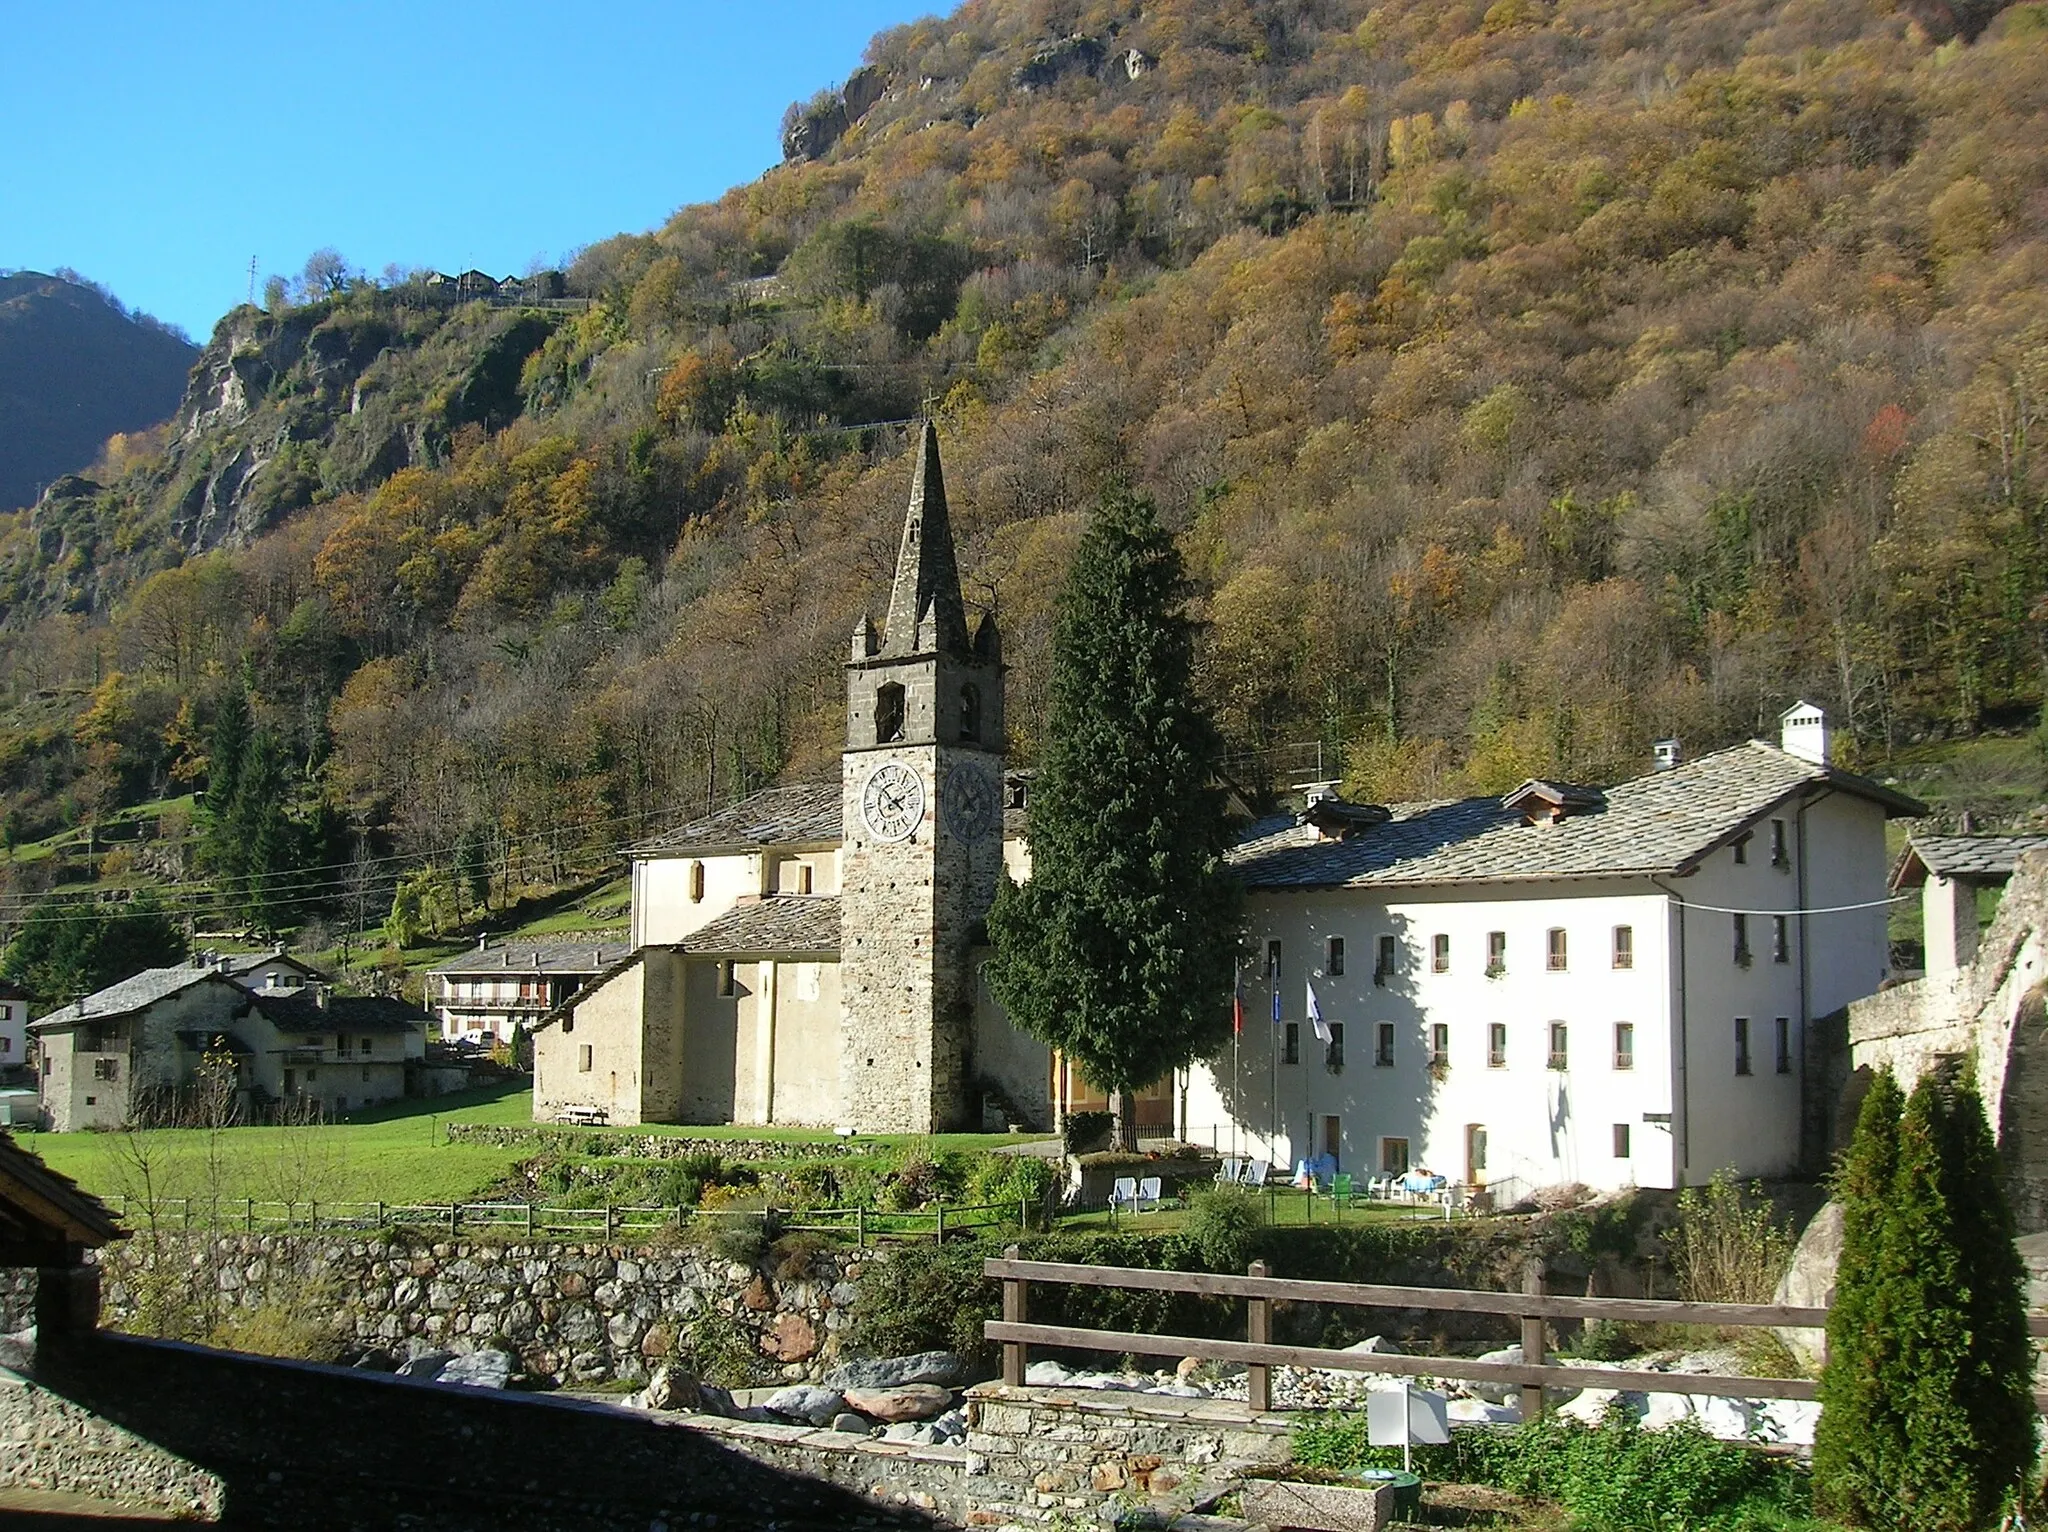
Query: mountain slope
(1525, 381)
(75, 369)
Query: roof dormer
(1548, 803)
(1334, 819)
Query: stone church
(1620, 985)
(809, 955)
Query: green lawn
(395, 1154)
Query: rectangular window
(1559, 1045)
(1497, 1045)
(1741, 940)
(1475, 1150)
(1383, 970)
(583, 1058)
(696, 882)
(1554, 958)
(366, 1077)
(1439, 1044)
(1621, 1141)
(1440, 953)
(106, 1069)
(1784, 1045)
(1333, 1053)
(1272, 960)
(1394, 1156)
(1781, 939)
(1624, 946)
(6, 1045)
(1290, 1044)
(727, 988)
(1742, 851)
(1383, 1045)
(1624, 1045)
(803, 877)
(1333, 959)
(1496, 954)
(1742, 1045)
(1780, 856)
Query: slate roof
(577, 955)
(776, 816)
(1979, 858)
(787, 923)
(1665, 822)
(298, 1012)
(35, 1199)
(132, 994)
(237, 964)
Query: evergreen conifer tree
(1860, 1440)
(1926, 1416)
(1120, 950)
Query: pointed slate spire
(926, 614)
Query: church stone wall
(608, 1023)
(806, 1072)
(710, 1037)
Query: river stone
(426, 1366)
(1497, 1393)
(1809, 1283)
(851, 1424)
(815, 1406)
(911, 1401)
(479, 1369)
(672, 1388)
(945, 1368)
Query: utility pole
(252, 281)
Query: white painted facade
(13, 1031)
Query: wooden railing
(537, 1220)
(1532, 1306)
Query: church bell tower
(922, 783)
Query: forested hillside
(1524, 381)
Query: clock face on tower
(968, 799)
(893, 801)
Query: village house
(1614, 986)
(136, 1050)
(13, 1029)
(482, 995)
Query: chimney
(1317, 792)
(320, 996)
(482, 941)
(505, 957)
(1665, 755)
(1803, 731)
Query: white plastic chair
(1148, 1195)
(1124, 1194)
(1232, 1172)
(1255, 1174)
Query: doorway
(1475, 1154)
(1333, 1136)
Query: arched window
(696, 882)
(970, 712)
(888, 713)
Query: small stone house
(135, 1049)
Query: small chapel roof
(1666, 822)
(1975, 858)
(810, 812)
(786, 923)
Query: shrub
(1616, 1476)
(1084, 1132)
(795, 1254)
(739, 1241)
(1727, 1249)
(925, 1298)
(1011, 1178)
(1224, 1225)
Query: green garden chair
(1340, 1188)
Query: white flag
(1315, 1015)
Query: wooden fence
(1532, 1306)
(536, 1220)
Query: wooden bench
(584, 1116)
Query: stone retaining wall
(574, 1313)
(1041, 1455)
(643, 1146)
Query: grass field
(395, 1154)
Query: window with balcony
(1497, 1045)
(1554, 952)
(1559, 1045)
(1624, 946)
(1624, 1045)
(1439, 1045)
(1496, 954)
(1440, 953)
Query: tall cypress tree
(1926, 1415)
(1121, 948)
(1860, 1441)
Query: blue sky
(156, 147)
